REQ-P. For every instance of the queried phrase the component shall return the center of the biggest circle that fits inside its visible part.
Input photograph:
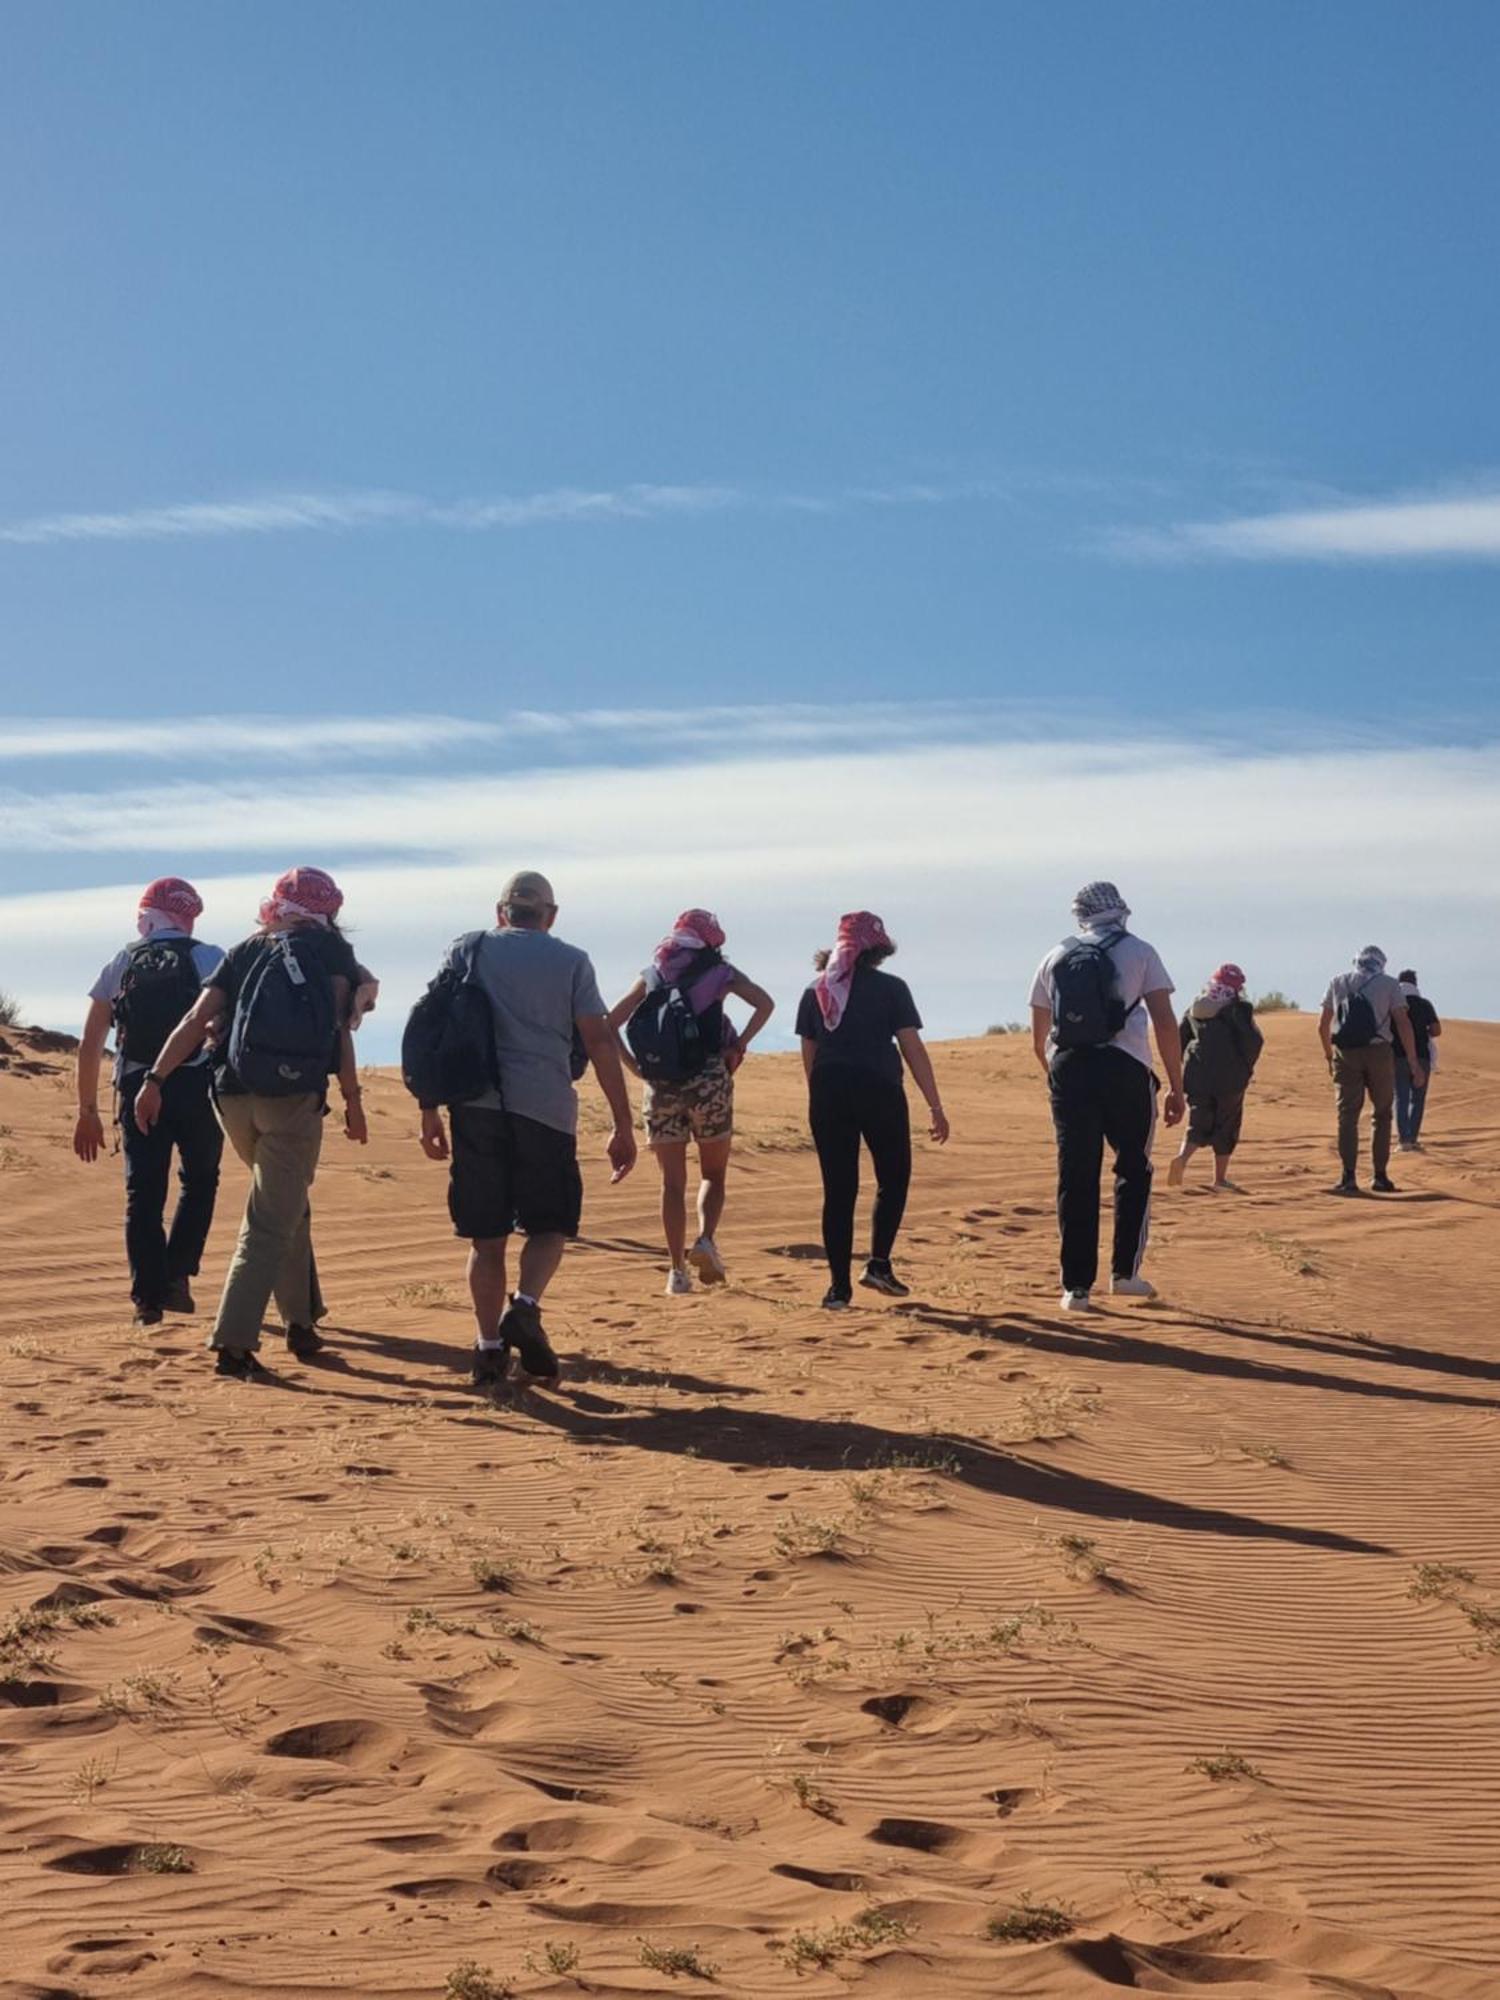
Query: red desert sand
(948, 1647)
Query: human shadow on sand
(748, 1437)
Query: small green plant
(1439, 1580)
(554, 1957)
(488, 1574)
(1081, 1558)
(676, 1959)
(802, 1535)
(92, 1775)
(1031, 1922)
(1276, 1002)
(1227, 1766)
(472, 1981)
(806, 1790)
(156, 1858)
(805, 1950)
(1485, 1626)
(520, 1631)
(145, 1693)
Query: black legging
(849, 1105)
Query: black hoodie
(1220, 1047)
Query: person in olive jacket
(1220, 1047)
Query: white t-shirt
(207, 958)
(1140, 971)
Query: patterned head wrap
(301, 895)
(860, 931)
(168, 904)
(1099, 906)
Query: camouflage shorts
(702, 1108)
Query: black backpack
(670, 1043)
(281, 1041)
(1356, 1027)
(1088, 1010)
(158, 986)
(448, 1053)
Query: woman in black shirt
(857, 1025)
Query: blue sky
(1071, 374)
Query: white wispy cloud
(970, 850)
(1432, 528)
(292, 513)
(25, 739)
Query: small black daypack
(448, 1053)
(1088, 1010)
(158, 986)
(670, 1043)
(281, 1040)
(1355, 1026)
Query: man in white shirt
(1094, 1001)
(143, 993)
(1364, 1014)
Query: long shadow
(1097, 1344)
(1347, 1346)
(583, 1366)
(743, 1436)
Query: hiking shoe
(1176, 1171)
(304, 1342)
(1383, 1184)
(238, 1364)
(878, 1276)
(490, 1368)
(1132, 1288)
(706, 1261)
(835, 1301)
(1348, 1185)
(1077, 1302)
(179, 1299)
(521, 1324)
(146, 1316)
(679, 1282)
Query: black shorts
(512, 1173)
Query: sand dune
(775, 1652)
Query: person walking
(1096, 1001)
(677, 1008)
(513, 1149)
(858, 1025)
(278, 1010)
(1364, 1019)
(142, 994)
(1411, 1098)
(1220, 1047)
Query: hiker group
(247, 1043)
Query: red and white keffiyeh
(860, 931)
(1227, 984)
(168, 904)
(694, 931)
(301, 895)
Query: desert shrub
(1004, 1028)
(1276, 1002)
(10, 1011)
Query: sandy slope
(788, 1619)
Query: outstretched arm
(88, 1133)
(919, 1062)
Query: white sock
(490, 1346)
(524, 1299)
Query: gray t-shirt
(1383, 993)
(538, 986)
(207, 958)
(1140, 971)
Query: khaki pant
(1356, 1072)
(279, 1139)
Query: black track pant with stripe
(1098, 1095)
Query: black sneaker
(1383, 1184)
(1348, 1185)
(879, 1277)
(146, 1316)
(835, 1301)
(521, 1324)
(490, 1368)
(238, 1364)
(179, 1299)
(305, 1342)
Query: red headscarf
(694, 931)
(859, 932)
(1228, 983)
(302, 893)
(168, 903)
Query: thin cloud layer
(1463, 528)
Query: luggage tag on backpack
(294, 971)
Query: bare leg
(1179, 1166)
(1221, 1169)
(487, 1283)
(540, 1257)
(672, 1160)
(713, 1167)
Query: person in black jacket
(1411, 1097)
(1220, 1047)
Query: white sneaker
(1132, 1288)
(1077, 1302)
(679, 1282)
(706, 1261)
